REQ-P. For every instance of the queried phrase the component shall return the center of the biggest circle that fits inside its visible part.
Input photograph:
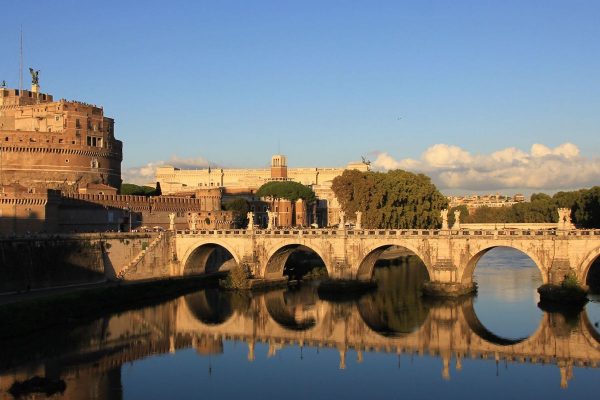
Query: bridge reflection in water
(394, 321)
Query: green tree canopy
(286, 190)
(136, 190)
(240, 208)
(584, 205)
(396, 199)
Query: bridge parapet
(393, 232)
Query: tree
(240, 208)
(587, 208)
(396, 199)
(286, 190)
(136, 190)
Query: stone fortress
(47, 144)
(60, 171)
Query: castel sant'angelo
(64, 145)
(60, 171)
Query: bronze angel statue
(35, 80)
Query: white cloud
(452, 167)
(145, 174)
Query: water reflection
(396, 307)
(507, 297)
(238, 332)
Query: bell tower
(279, 167)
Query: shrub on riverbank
(238, 278)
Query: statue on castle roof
(3, 84)
(35, 76)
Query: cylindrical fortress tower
(65, 145)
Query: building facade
(245, 182)
(174, 180)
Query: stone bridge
(450, 256)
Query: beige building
(173, 180)
(242, 180)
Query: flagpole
(21, 62)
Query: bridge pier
(445, 281)
(559, 269)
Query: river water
(299, 344)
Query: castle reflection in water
(89, 358)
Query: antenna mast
(21, 63)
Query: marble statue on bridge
(456, 226)
(193, 222)
(250, 216)
(444, 214)
(172, 221)
(564, 219)
(358, 225)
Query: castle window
(77, 124)
(57, 117)
(67, 160)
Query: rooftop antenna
(21, 62)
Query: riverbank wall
(44, 261)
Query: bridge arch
(479, 329)
(211, 306)
(469, 269)
(197, 258)
(366, 264)
(288, 313)
(589, 261)
(277, 257)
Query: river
(298, 344)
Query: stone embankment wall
(42, 261)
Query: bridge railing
(506, 232)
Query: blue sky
(323, 81)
